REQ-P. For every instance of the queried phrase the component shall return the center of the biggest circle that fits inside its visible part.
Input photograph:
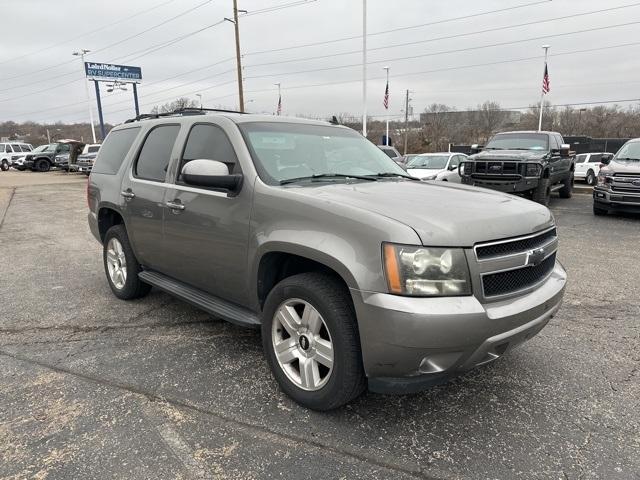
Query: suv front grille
(502, 283)
(510, 247)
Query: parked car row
(65, 154)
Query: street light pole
(81, 53)
(546, 51)
(406, 122)
(364, 68)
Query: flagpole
(387, 134)
(364, 68)
(546, 51)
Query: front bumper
(609, 200)
(409, 344)
(525, 184)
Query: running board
(203, 300)
(555, 188)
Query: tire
(567, 187)
(42, 165)
(336, 382)
(591, 178)
(599, 212)
(4, 166)
(117, 255)
(542, 193)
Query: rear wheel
(591, 178)
(4, 166)
(121, 265)
(542, 193)
(311, 341)
(42, 165)
(567, 187)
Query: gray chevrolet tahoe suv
(357, 274)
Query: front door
(143, 191)
(205, 231)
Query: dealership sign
(109, 72)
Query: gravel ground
(93, 387)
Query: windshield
(285, 151)
(518, 141)
(46, 148)
(431, 162)
(629, 151)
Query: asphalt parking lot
(93, 387)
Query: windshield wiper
(391, 174)
(326, 175)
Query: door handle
(175, 206)
(127, 194)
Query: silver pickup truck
(618, 187)
(356, 273)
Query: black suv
(41, 159)
(529, 162)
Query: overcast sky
(40, 80)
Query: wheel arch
(278, 261)
(107, 218)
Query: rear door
(143, 190)
(206, 236)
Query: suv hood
(622, 166)
(424, 172)
(441, 213)
(500, 155)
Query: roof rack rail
(180, 111)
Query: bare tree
(179, 103)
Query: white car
(436, 166)
(11, 151)
(588, 166)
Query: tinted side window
(595, 158)
(581, 158)
(8, 149)
(155, 154)
(115, 148)
(553, 143)
(209, 142)
(455, 161)
(93, 149)
(1, 148)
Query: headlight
(533, 170)
(426, 272)
(602, 179)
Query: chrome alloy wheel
(302, 344)
(116, 263)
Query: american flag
(546, 86)
(279, 110)
(385, 102)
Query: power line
(447, 20)
(168, 20)
(96, 30)
(479, 47)
(447, 37)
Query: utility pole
(406, 121)
(364, 68)
(81, 53)
(546, 51)
(386, 99)
(238, 59)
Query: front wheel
(567, 187)
(542, 193)
(42, 165)
(121, 265)
(4, 166)
(599, 212)
(591, 178)
(311, 341)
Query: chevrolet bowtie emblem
(535, 257)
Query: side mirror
(452, 168)
(210, 173)
(606, 158)
(564, 149)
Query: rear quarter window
(114, 150)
